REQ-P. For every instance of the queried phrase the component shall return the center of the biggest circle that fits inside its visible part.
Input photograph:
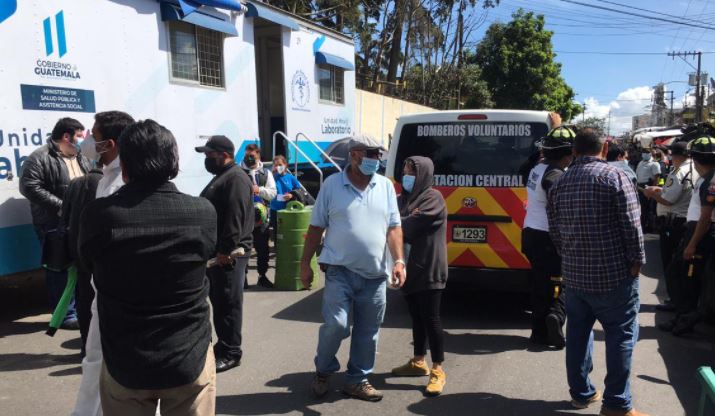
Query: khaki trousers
(193, 399)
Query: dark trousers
(55, 281)
(647, 212)
(426, 323)
(261, 235)
(226, 295)
(83, 303)
(671, 230)
(683, 283)
(545, 276)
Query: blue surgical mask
(369, 167)
(408, 182)
(646, 156)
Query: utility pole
(698, 92)
(584, 112)
(672, 116)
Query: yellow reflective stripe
(510, 229)
(483, 252)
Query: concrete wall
(377, 114)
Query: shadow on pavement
(480, 344)
(296, 399)
(486, 404)
(22, 361)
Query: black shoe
(686, 324)
(666, 306)
(225, 364)
(555, 331)
(668, 325)
(539, 339)
(70, 324)
(264, 282)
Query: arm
(394, 243)
(229, 231)
(702, 228)
(268, 191)
(31, 185)
(312, 241)
(628, 216)
(553, 218)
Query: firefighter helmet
(703, 145)
(557, 138)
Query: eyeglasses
(373, 153)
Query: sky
(622, 84)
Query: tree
(517, 62)
(596, 123)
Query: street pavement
(491, 367)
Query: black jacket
(147, 247)
(44, 180)
(424, 226)
(81, 191)
(231, 193)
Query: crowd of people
(150, 258)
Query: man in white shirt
(107, 129)
(647, 174)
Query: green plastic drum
(293, 225)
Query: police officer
(647, 174)
(548, 311)
(687, 268)
(230, 192)
(673, 199)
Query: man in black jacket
(147, 246)
(230, 192)
(43, 181)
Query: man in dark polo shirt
(147, 246)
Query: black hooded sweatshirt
(424, 225)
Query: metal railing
(298, 150)
(322, 152)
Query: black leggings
(426, 324)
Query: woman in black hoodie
(424, 224)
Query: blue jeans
(617, 311)
(55, 281)
(344, 289)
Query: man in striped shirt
(594, 219)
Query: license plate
(469, 234)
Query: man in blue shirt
(357, 209)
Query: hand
(689, 253)
(399, 275)
(555, 119)
(415, 211)
(306, 274)
(636, 270)
(288, 196)
(223, 260)
(256, 190)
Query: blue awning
(326, 58)
(256, 10)
(201, 17)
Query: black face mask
(212, 165)
(249, 160)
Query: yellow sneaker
(411, 369)
(436, 383)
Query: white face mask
(88, 150)
(280, 169)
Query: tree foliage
(517, 62)
(596, 123)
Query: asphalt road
(491, 368)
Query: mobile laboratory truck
(199, 67)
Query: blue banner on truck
(47, 98)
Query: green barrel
(293, 225)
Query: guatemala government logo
(300, 89)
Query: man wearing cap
(673, 200)
(230, 193)
(357, 209)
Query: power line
(620, 53)
(651, 11)
(636, 14)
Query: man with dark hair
(548, 315)
(147, 246)
(647, 174)
(231, 194)
(688, 268)
(595, 226)
(618, 156)
(44, 179)
(264, 190)
(106, 131)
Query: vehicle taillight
(472, 117)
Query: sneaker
(264, 282)
(668, 325)
(686, 324)
(436, 383)
(363, 391)
(577, 404)
(610, 412)
(411, 369)
(71, 324)
(319, 385)
(555, 331)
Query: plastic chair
(707, 388)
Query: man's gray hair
(588, 142)
(364, 141)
